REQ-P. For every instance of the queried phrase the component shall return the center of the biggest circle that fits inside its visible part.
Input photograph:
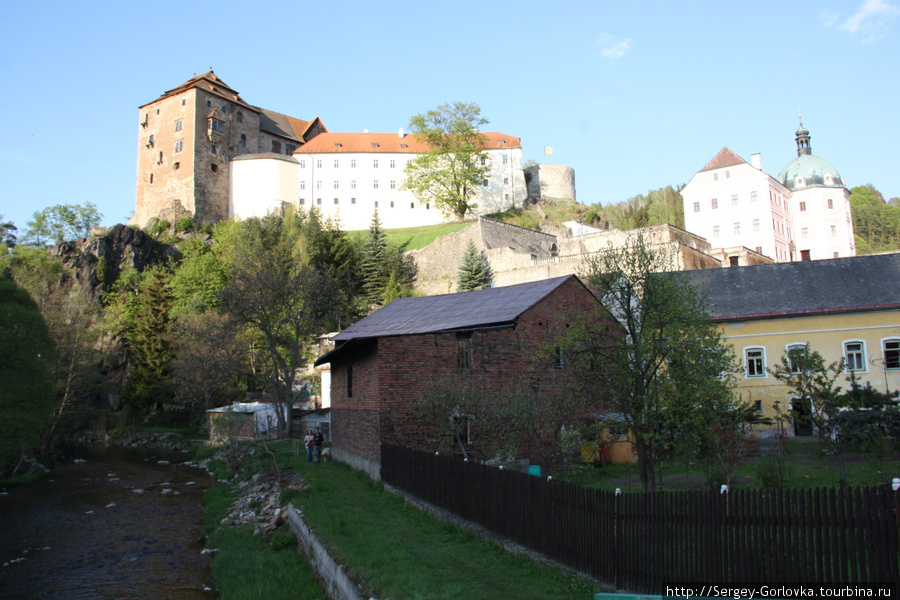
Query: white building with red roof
(348, 176)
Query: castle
(802, 214)
(205, 153)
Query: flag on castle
(548, 150)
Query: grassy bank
(396, 551)
(247, 567)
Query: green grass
(414, 238)
(396, 551)
(809, 468)
(246, 567)
(532, 218)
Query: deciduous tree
(451, 172)
(62, 222)
(651, 359)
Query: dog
(326, 454)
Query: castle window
(302, 201)
(727, 174)
(353, 163)
(352, 200)
(403, 145)
(830, 204)
(375, 163)
(179, 146)
(319, 184)
(802, 206)
(505, 159)
(759, 249)
(179, 124)
(336, 185)
(151, 177)
(755, 224)
(393, 184)
(352, 184)
(302, 164)
(336, 201)
(833, 231)
(318, 163)
(696, 207)
(715, 231)
(243, 139)
(160, 156)
(240, 117)
(375, 184)
(392, 204)
(752, 196)
(506, 181)
(715, 176)
(734, 200)
(337, 163)
(427, 205)
(737, 228)
(276, 146)
(319, 201)
(484, 183)
(393, 163)
(714, 203)
(302, 184)
(289, 149)
(208, 102)
(177, 165)
(213, 149)
(376, 204)
(217, 125)
(214, 167)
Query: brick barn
(381, 364)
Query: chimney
(366, 131)
(756, 161)
(401, 133)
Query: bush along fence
(639, 542)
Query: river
(115, 523)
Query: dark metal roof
(428, 314)
(853, 284)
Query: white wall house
(735, 204)
(349, 175)
(803, 214)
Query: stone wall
(547, 183)
(520, 255)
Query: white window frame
(802, 346)
(764, 374)
(864, 364)
(884, 343)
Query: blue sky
(633, 95)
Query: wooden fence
(638, 542)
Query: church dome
(806, 170)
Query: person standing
(309, 442)
(318, 438)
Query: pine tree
(374, 276)
(474, 271)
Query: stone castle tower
(186, 140)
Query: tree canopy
(452, 171)
(876, 223)
(62, 222)
(655, 364)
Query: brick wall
(387, 379)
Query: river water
(113, 524)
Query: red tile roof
(388, 142)
(725, 158)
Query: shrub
(772, 470)
(184, 224)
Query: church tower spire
(803, 147)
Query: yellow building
(846, 308)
